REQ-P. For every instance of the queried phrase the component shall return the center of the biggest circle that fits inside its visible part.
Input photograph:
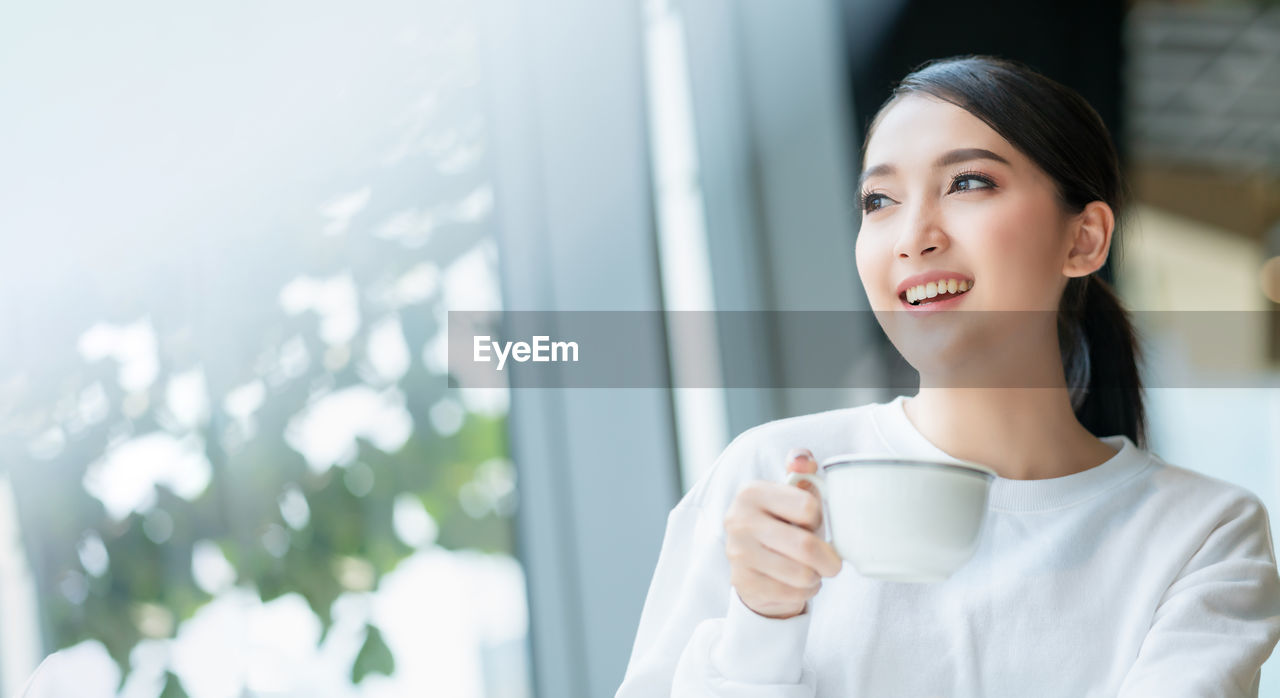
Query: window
(236, 460)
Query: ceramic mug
(901, 519)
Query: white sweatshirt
(1132, 578)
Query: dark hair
(1062, 134)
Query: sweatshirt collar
(903, 439)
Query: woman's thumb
(800, 460)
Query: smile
(942, 291)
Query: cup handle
(818, 484)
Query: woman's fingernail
(799, 453)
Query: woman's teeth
(916, 294)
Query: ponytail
(1100, 357)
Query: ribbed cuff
(754, 649)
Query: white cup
(899, 519)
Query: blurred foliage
(242, 501)
(374, 657)
(211, 293)
(172, 687)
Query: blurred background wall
(234, 459)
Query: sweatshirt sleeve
(1219, 620)
(697, 638)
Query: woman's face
(948, 196)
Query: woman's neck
(1023, 433)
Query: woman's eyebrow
(950, 157)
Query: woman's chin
(958, 354)
(935, 345)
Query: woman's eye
(973, 181)
(868, 201)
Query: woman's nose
(923, 235)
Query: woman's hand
(776, 560)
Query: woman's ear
(1090, 239)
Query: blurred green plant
(149, 575)
(389, 190)
(374, 657)
(212, 299)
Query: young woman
(1101, 571)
